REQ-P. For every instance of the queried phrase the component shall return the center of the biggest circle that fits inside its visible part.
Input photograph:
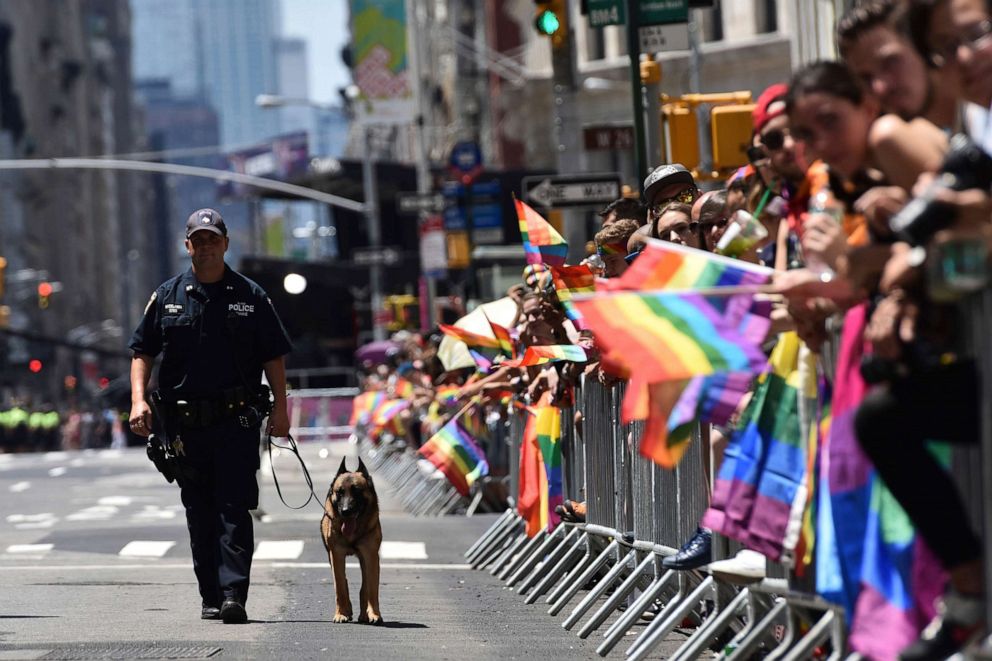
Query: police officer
(217, 332)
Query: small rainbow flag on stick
(542, 243)
(469, 338)
(551, 353)
(570, 280)
(456, 455)
(363, 405)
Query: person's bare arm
(275, 373)
(904, 150)
(140, 418)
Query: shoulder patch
(150, 301)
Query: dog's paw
(370, 617)
(341, 618)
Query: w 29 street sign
(653, 12)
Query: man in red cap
(771, 131)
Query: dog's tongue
(348, 526)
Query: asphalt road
(94, 558)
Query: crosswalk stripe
(29, 548)
(119, 501)
(145, 549)
(17, 487)
(403, 551)
(279, 550)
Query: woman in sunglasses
(674, 224)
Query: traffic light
(44, 292)
(683, 135)
(730, 128)
(551, 20)
(35, 365)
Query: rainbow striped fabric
(570, 280)
(542, 243)
(612, 248)
(503, 338)
(548, 428)
(385, 417)
(470, 338)
(455, 454)
(551, 353)
(532, 491)
(668, 336)
(363, 405)
(403, 388)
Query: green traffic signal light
(547, 22)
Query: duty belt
(196, 412)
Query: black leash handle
(292, 447)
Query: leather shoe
(233, 612)
(695, 553)
(209, 612)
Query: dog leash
(292, 447)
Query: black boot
(696, 553)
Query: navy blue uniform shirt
(212, 336)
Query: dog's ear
(344, 466)
(364, 471)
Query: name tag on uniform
(241, 309)
(173, 308)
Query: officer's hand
(141, 418)
(279, 422)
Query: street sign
(557, 192)
(608, 137)
(606, 12)
(414, 203)
(662, 12)
(657, 38)
(370, 256)
(466, 160)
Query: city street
(95, 555)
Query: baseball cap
(666, 175)
(205, 219)
(760, 115)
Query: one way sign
(560, 191)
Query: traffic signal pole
(636, 89)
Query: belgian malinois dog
(350, 526)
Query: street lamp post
(370, 207)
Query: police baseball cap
(666, 175)
(205, 219)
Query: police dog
(350, 526)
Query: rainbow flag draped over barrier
(542, 242)
(868, 557)
(550, 353)
(760, 492)
(668, 336)
(455, 454)
(548, 429)
(570, 280)
(363, 405)
(532, 494)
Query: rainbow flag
(363, 405)
(760, 493)
(384, 418)
(664, 265)
(469, 338)
(447, 395)
(456, 455)
(502, 335)
(612, 248)
(542, 243)
(712, 399)
(551, 353)
(571, 280)
(668, 336)
(532, 491)
(403, 388)
(548, 429)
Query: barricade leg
(619, 629)
(506, 516)
(525, 553)
(746, 646)
(618, 596)
(449, 505)
(595, 565)
(474, 505)
(433, 498)
(488, 552)
(710, 629)
(531, 561)
(819, 632)
(667, 620)
(498, 536)
(511, 550)
(547, 562)
(629, 561)
(581, 567)
(573, 552)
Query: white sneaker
(746, 567)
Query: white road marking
(188, 565)
(120, 501)
(23, 655)
(19, 518)
(154, 513)
(403, 551)
(95, 513)
(29, 548)
(279, 550)
(57, 471)
(56, 456)
(143, 549)
(47, 523)
(18, 487)
(77, 463)
(111, 454)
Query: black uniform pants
(218, 498)
(893, 424)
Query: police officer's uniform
(214, 339)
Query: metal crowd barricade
(320, 413)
